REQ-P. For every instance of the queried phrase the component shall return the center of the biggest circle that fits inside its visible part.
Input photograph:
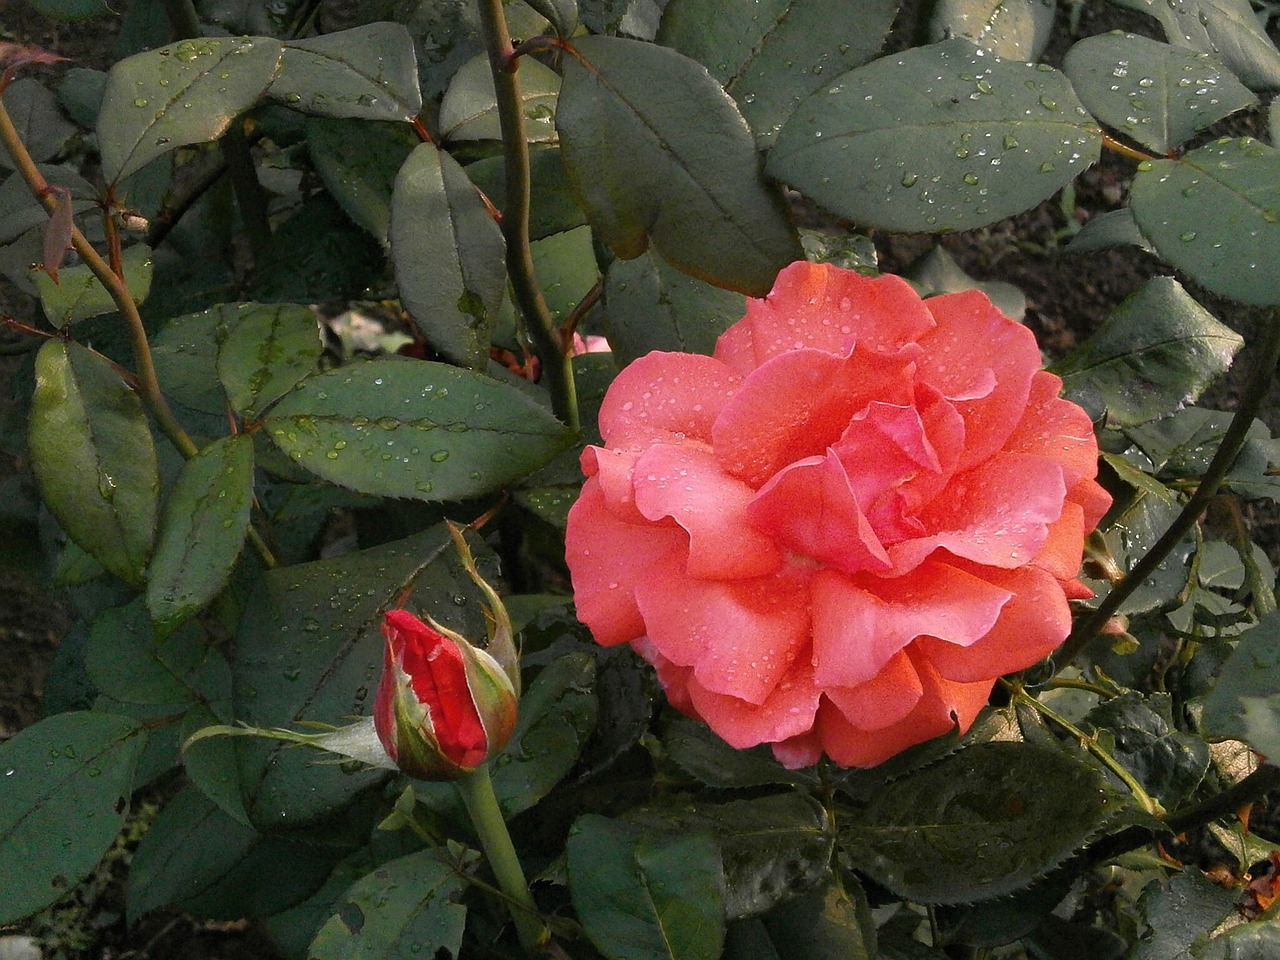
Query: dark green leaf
(210, 764)
(70, 9)
(368, 72)
(1225, 27)
(64, 792)
(658, 152)
(404, 428)
(1001, 920)
(565, 265)
(266, 353)
(1214, 213)
(1057, 939)
(771, 55)
(1013, 29)
(1245, 703)
(40, 125)
(645, 896)
(79, 294)
(1248, 941)
(1169, 763)
(80, 94)
(449, 256)
(563, 14)
(1114, 228)
(405, 907)
(832, 924)
(185, 352)
(696, 750)
(983, 822)
(650, 306)
(20, 211)
(555, 209)
(186, 92)
(469, 110)
(1181, 912)
(202, 530)
(358, 162)
(937, 272)
(316, 255)
(93, 457)
(1157, 94)
(1158, 350)
(944, 137)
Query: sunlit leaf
(77, 294)
(469, 110)
(269, 349)
(1013, 29)
(1245, 703)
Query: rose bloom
(833, 535)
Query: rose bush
(833, 535)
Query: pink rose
(833, 535)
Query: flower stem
(550, 346)
(1233, 440)
(477, 793)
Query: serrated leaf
(769, 56)
(658, 153)
(696, 750)
(183, 93)
(358, 161)
(649, 305)
(368, 72)
(202, 530)
(1214, 213)
(1169, 763)
(554, 208)
(1157, 94)
(1225, 27)
(449, 256)
(406, 906)
(1248, 941)
(1158, 350)
(266, 353)
(78, 294)
(981, 823)
(64, 792)
(1245, 702)
(642, 896)
(137, 666)
(405, 428)
(1180, 911)
(943, 137)
(1013, 29)
(93, 457)
(831, 924)
(469, 110)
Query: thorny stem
(482, 805)
(551, 348)
(1232, 442)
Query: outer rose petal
(740, 636)
(1056, 428)
(943, 706)
(860, 624)
(787, 712)
(686, 483)
(612, 470)
(1060, 555)
(665, 398)
(820, 306)
(979, 357)
(607, 557)
(884, 699)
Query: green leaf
(771, 55)
(658, 152)
(40, 124)
(358, 161)
(70, 9)
(1225, 27)
(64, 792)
(1214, 213)
(562, 14)
(202, 530)
(368, 72)
(1248, 941)
(648, 305)
(449, 255)
(981, 823)
(20, 211)
(1114, 228)
(830, 924)
(937, 272)
(266, 353)
(1168, 763)
(1245, 703)
(1159, 95)
(316, 255)
(79, 294)
(1158, 350)
(406, 428)
(184, 93)
(469, 110)
(1181, 912)
(643, 896)
(565, 265)
(93, 457)
(699, 752)
(944, 137)
(555, 209)
(407, 906)
(1012, 29)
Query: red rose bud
(443, 706)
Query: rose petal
(860, 625)
(787, 711)
(1094, 500)
(740, 636)
(884, 699)
(826, 308)
(809, 508)
(612, 470)
(800, 751)
(665, 398)
(607, 557)
(687, 484)
(798, 404)
(998, 513)
(1060, 555)
(983, 360)
(1056, 428)
(1031, 625)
